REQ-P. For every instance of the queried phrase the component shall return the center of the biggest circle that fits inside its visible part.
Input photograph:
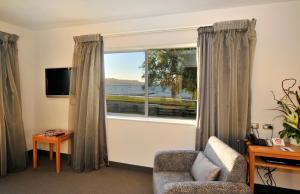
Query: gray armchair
(171, 172)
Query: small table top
(51, 139)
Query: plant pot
(294, 142)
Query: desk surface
(275, 151)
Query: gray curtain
(87, 104)
(12, 137)
(225, 58)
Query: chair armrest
(215, 187)
(178, 160)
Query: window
(155, 82)
(124, 83)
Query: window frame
(146, 117)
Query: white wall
(134, 142)
(26, 49)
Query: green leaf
(297, 138)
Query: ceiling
(41, 14)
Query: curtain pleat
(226, 52)
(205, 100)
(87, 104)
(12, 137)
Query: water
(138, 90)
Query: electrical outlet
(254, 125)
(267, 126)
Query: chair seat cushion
(162, 178)
(203, 169)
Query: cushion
(160, 179)
(232, 164)
(203, 169)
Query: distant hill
(113, 81)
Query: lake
(138, 90)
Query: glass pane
(124, 83)
(172, 81)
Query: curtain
(87, 104)
(12, 137)
(225, 58)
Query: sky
(124, 65)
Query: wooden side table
(256, 152)
(50, 140)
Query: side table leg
(58, 157)
(34, 150)
(51, 151)
(251, 171)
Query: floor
(117, 179)
(262, 189)
(44, 180)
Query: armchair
(171, 172)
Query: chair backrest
(232, 163)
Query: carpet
(44, 180)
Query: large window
(156, 82)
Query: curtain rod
(108, 35)
(150, 31)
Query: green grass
(166, 102)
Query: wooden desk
(255, 152)
(50, 140)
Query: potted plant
(289, 106)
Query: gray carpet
(109, 180)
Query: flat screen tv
(57, 82)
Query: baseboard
(264, 189)
(130, 166)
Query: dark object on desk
(257, 141)
(54, 132)
(281, 161)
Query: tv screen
(58, 81)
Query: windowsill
(152, 119)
